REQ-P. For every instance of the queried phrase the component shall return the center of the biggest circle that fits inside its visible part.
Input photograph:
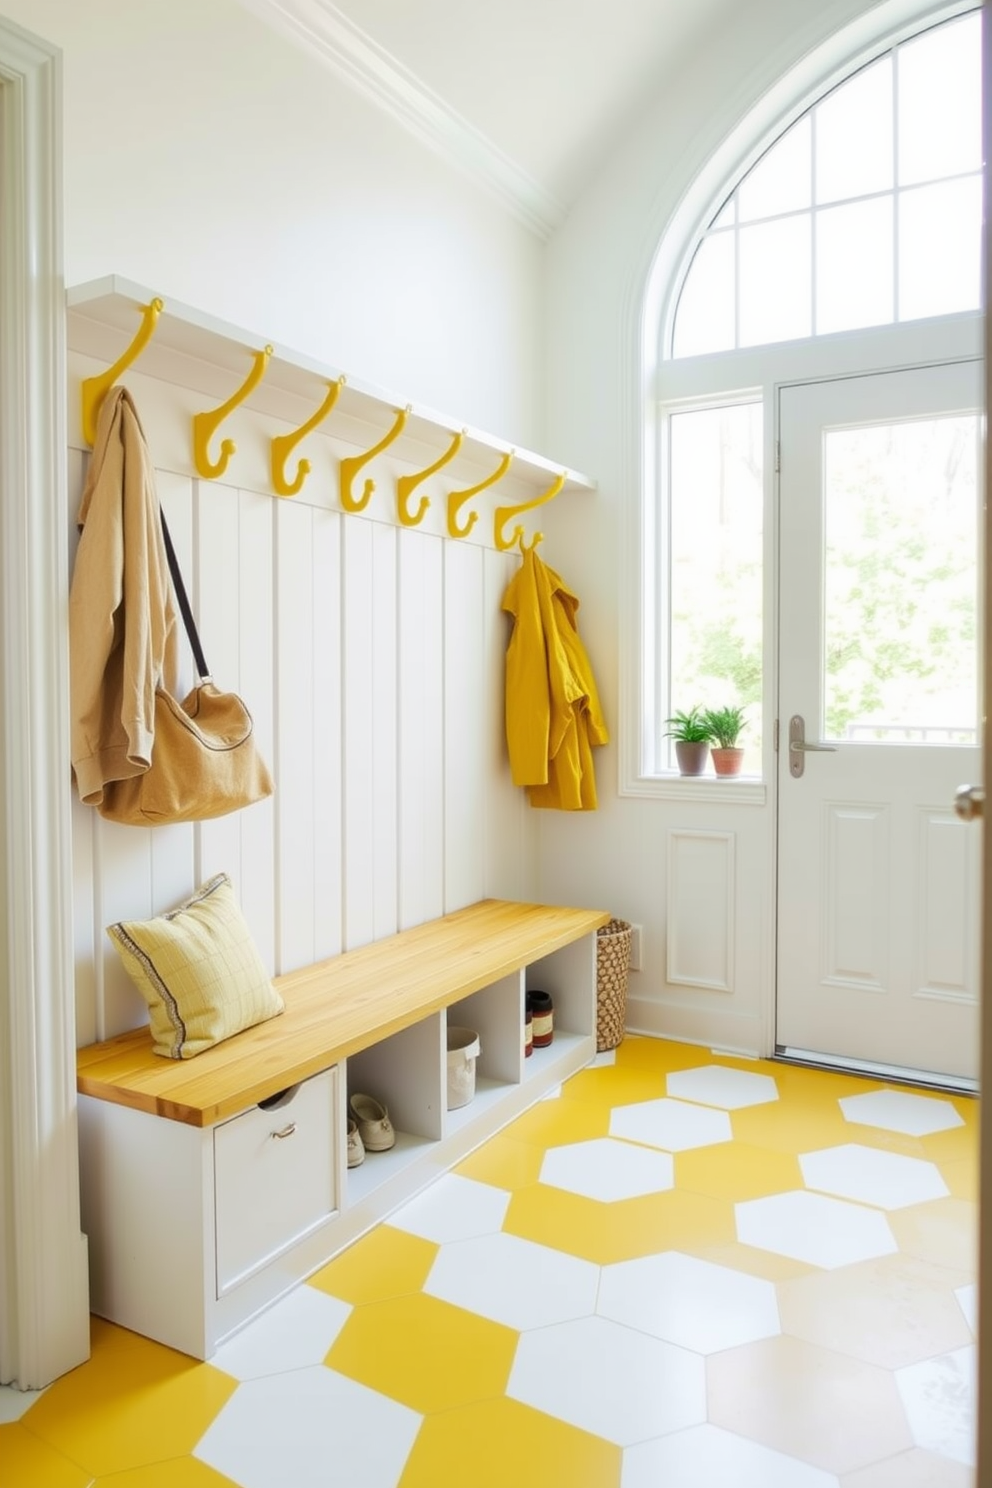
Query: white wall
(599, 269)
(210, 159)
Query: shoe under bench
(212, 1186)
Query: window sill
(740, 790)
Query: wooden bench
(197, 1219)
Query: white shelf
(194, 350)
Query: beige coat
(122, 619)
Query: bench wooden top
(333, 1009)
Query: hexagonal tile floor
(682, 1268)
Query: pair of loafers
(369, 1128)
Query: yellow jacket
(122, 621)
(553, 714)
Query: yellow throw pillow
(198, 970)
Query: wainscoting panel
(701, 896)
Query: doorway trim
(44, 1292)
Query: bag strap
(202, 670)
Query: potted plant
(692, 735)
(725, 725)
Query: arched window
(866, 211)
(853, 236)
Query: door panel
(878, 879)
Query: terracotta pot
(691, 757)
(727, 761)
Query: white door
(878, 904)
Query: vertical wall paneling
(701, 895)
(511, 828)
(294, 746)
(358, 772)
(87, 950)
(327, 799)
(371, 658)
(466, 742)
(256, 684)
(422, 695)
(384, 739)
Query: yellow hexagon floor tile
(503, 1161)
(735, 1170)
(551, 1123)
(950, 1146)
(133, 1402)
(804, 1129)
(384, 1263)
(499, 1443)
(945, 1231)
(961, 1177)
(28, 1462)
(178, 1472)
(424, 1352)
(619, 1231)
(659, 1055)
(615, 1085)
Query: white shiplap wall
(371, 657)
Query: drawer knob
(287, 1131)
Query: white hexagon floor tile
(968, 1302)
(514, 1281)
(673, 1125)
(901, 1111)
(709, 1457)
(295, 1332)
(610, 1380)
(722, 1085)
(603, 1059)
(886, 1179)
(938, 1396)
(287, 1429)
(693, 1303)
(814, 1228)
(606, 1169)
(453, 1208)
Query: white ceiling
(528, 95)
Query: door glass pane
(940, 241)
(716, 565)
(940, 102)
(854, 136)
(900, 582)
(782, 179)
(854, 277)
(776, 290)
(705, 318)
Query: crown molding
(368, 68)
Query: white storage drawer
(274, 1177)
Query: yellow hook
(457, 499)
(354, 463)
(284, 444)
(505, 514)
(409, 483)
(95, 389)
(205, 425)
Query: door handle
(969, 802)
(798, 746)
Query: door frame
(44, 1322)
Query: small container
(542, 1011)
(464, 1049)
(528, 1034)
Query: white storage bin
(464, 1049)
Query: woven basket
(612, 964)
